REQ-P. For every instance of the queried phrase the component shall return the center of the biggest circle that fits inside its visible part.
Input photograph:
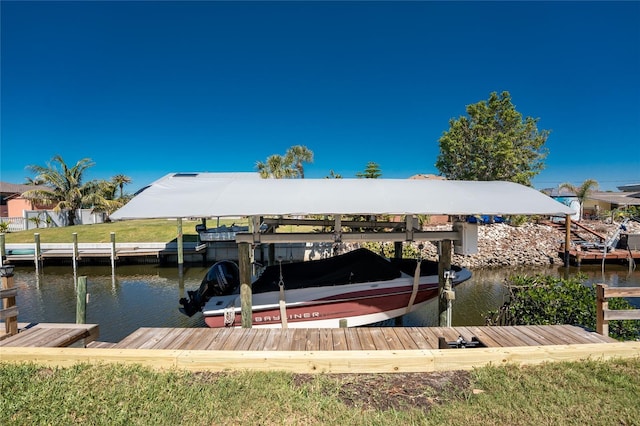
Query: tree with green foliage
(492, 143)
(581, 192)
(277, 167)
(120, 181)
(297, 155)
(543, 299)
(372, 171)
(65, 189)
(101, 196)
(286, 166)
(333, 175)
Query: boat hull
(358, 304)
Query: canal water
(147, 295)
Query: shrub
(541, 299)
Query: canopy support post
(180, 249)
(444, 265)
(244, 263)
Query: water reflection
(147, 295)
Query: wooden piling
(567, 240)
(37, 252)
(244, 264)
(81, 301)
(3, 251)
(180, 248)
(113, 251)
(9, 308)
(444, 264)
(74, 258)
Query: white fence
(36, 219)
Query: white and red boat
(359, 287)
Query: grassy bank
(595, 393)
(129, 231)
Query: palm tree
(581, 192)
(121, 181)
(101, 196)
(277, 167)
(64, 186)
(297, 155)
(33, 181)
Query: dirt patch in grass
(397, 391)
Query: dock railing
(604, 314)
(9, 311)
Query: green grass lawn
(576, 393)
(128, 231)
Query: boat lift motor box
(468, 244)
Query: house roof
(634, 187)
(210, 195)
(619, 198)
(7, 188)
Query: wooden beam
(303, 237)
(327, 223)
(620, 314)
(332, 362)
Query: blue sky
(148, 88)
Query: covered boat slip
(210, 195)
(205, 195)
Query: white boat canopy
(206, 195)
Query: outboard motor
(222, 279)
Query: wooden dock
(352, 339)
(577, 257)
(50, 335)
(20, 253)
(351, 350)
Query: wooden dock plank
(401, 338)
(153, 338)
(504, 336)
(353, 339)
(298, 339)
(233, 340)
(259, 337)
(325, 342)
(52, 335)
(43, 337)
(420, 339)
(536, 338)
(313, 339)
(366, 338)
(272, 339)
(521, 337)
(285, 339)
(339, 339)
(246, 341)
(430, 337)
(555, 336)
(216, 341)
(103, 345)
(173, 339)
(131, 340)
(197, 339)
(586, 335)
(486, 337)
